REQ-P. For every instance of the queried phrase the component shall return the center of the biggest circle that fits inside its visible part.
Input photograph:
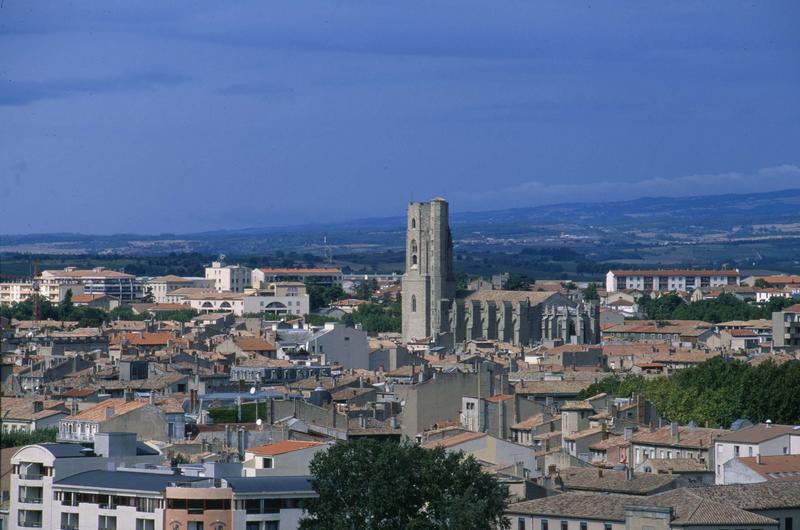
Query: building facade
(228, 278)
(649, 281)
(321, 275)
(124, 287)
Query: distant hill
(749, 215)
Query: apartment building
(37, 469)
(279, 298)
(124, 287)
(324, 276)
(763, 439)
(161, 286)
(228, 278)
(786, 327)
(669, 280)
(674, 442)
(17, 292)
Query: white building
(162, 286)
(762, 439)
(279, 299)
(286, 458)
(669, 280)
(35, 470)
(228, 278)
(17, 292)
(123, 287)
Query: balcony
(69, 527)
(30, 476)
(31, 500)
(30, 524)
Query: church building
(433, 309)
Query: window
(69, 521)
(520, 523)
(607, 526)
(544, 524)
(413, 223)
(107, 522)
(787, 523)
(584, 525)
(564, 525)
(253, 525)
(413, 303)
(735, 450)
(267, 463)
(145, 524)
(750, 451)
(195, 525)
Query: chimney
(674, 431)
(758, 458)
(627, 433)
(599, 472)
(241, 434)
(110, 412)
(628, 473)
(74, 407)
(152, 398)
(128, 395)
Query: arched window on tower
(413, 223)
(414, 253)
(413, 303)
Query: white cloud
(534, 192)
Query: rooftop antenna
(328, 252)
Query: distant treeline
(717, 391)
(721, 309)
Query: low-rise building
(674, 441)
(763, 439)
(162, 286)
(683, 280)
(290, 457)
(786, 327)
(228, 278)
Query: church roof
(498, 296)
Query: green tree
(364, 289)
(369, 484)
(322, 295)
(19, 438)
(590, 293)
(148, 297)
(517, 282)
(66, 306)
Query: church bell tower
(429, 278)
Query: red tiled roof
(499, 397)
(280, 448)
(160, 338)
(253, 344)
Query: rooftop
(279, 448)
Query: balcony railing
(69, 527)
(31, 524)
(30, 476)
(31, 500)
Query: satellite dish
(252, 390)
(258, 422)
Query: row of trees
(20, 438)
(87, 316)
(721, 309)
(717, 391)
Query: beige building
(123, 287)
(17, 292)
(228, 278)
(162, 286)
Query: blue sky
(153, 116)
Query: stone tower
(429, 277)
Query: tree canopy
(376, 318)
(717, 391)
(369, 484)
(721, 309)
